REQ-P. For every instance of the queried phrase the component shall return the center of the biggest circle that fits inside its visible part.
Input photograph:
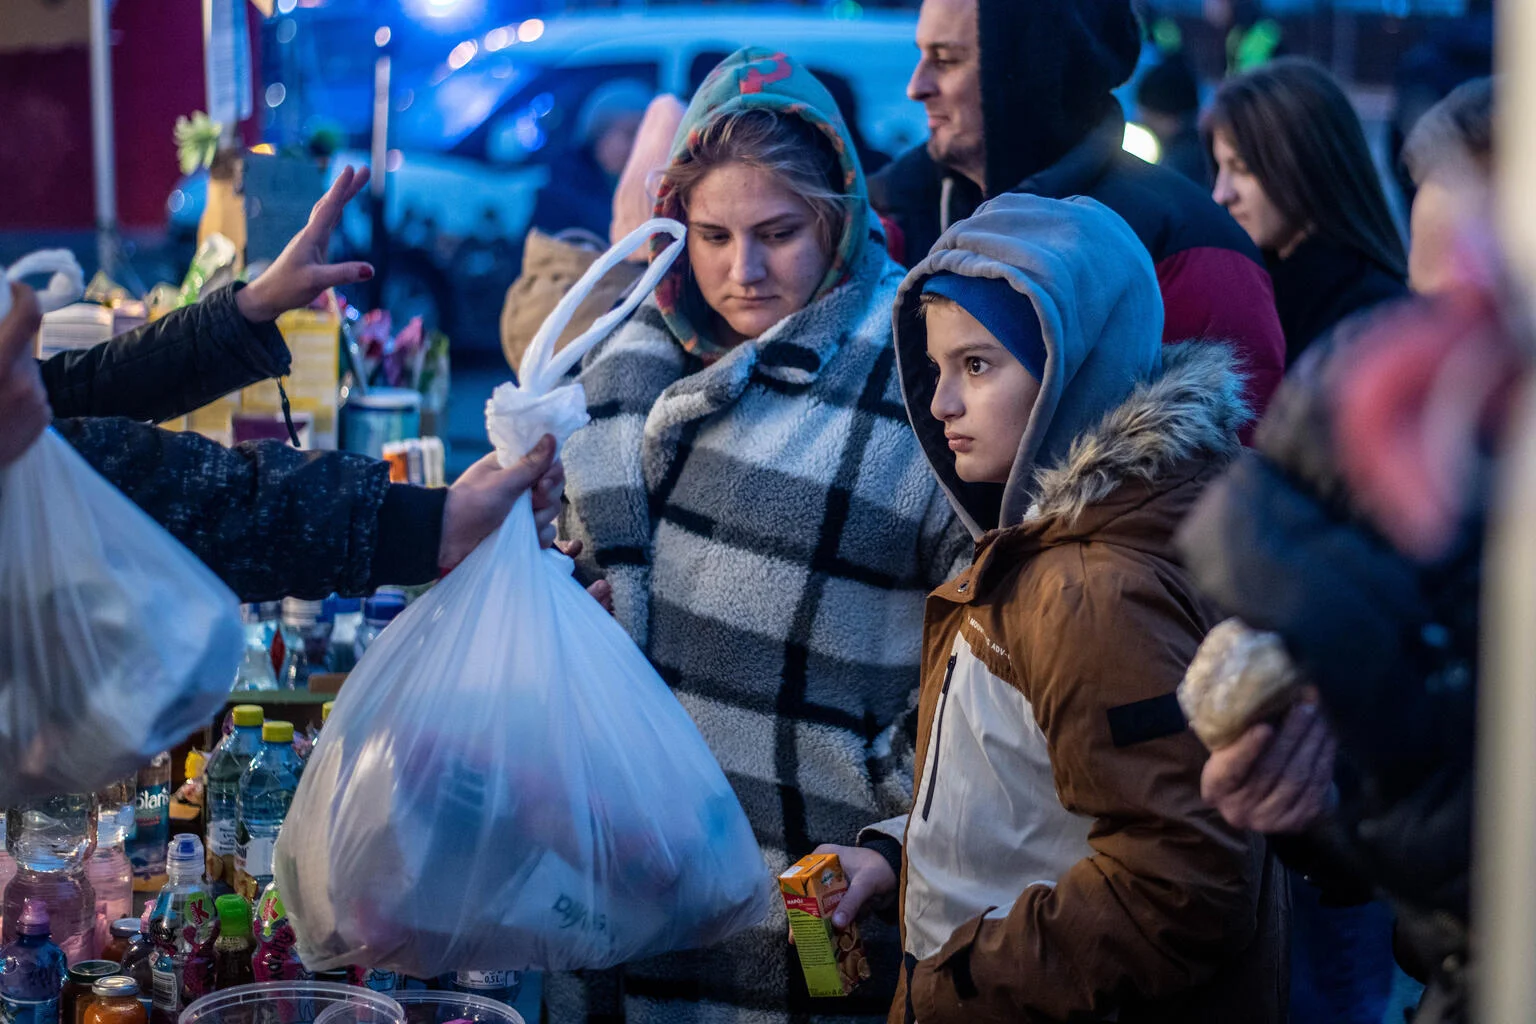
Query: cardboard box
(833, 961)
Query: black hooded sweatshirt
(1053, 128)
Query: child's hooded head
(1025, 326)
(988, 358)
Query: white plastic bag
(115, 642)
(505, 783)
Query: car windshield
(438, 113)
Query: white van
(472, 145)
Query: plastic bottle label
(167, 991)
(380, 981)
(486, 980)
(27, 1011)
(256, 860)
(221, 837)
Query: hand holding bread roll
(1239, 677)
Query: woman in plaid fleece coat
(755, 495)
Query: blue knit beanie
(1006, 313)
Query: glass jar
(78, 983)
(115, 1001)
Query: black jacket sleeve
(166, 369)
(271, 521)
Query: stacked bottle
(51, 840)
(183, 926)
(31, 968)
(266, 792)
(109, 869)
(222, 790)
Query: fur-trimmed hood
(1194, 408)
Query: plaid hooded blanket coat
(771, 530)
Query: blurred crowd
(1088, 551)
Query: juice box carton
(833, 961)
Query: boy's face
(983, 396)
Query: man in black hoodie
(1018, 96)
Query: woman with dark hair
(1293, 168)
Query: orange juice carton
(833, 960)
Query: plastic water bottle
(183, 926)
(378, 611)
(306, 638)
(7, 870)
(501, 986)
(255, 671)
(152, 825)
(266, 791)
(110, 871)
(222, 789)
(347, 618)
(276, 958)
(51, 839)
(31, 969)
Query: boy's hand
(602, 590)
(870, 879)
(300, 273)
(1275, 782)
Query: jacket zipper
(938, 736)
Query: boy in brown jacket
(1058, 861)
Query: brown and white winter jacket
(1058, 861)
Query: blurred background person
(581, 184)
(1294, 169)
(1168, 101)
(1354, 531)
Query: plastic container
(152, 825)
(256, 671)
(229, 761)
(51, 840)
(378, 612)
(297, 1002)
(306, 633)
(428, 1007)
(183, 926)
(114, 1000)
(370, 421)
(266, 792)
(79, 983)
(31, 969)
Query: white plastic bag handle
(542, 369)
(65, 286)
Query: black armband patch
(1143, 720)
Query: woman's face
(1240, 192)
(754, 248)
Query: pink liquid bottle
(51, 840)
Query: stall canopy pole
(103, 148)
(1504, 908)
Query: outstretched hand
(300, 272)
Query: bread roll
(1239, 678)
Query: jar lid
(88, 972)
(116, 987)
(126, 928)
(386, 399)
